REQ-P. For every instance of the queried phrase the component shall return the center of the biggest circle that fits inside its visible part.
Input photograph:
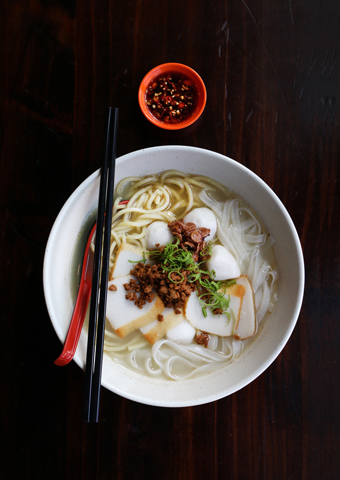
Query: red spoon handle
(83, 298)
(75, 328)
(80, 308)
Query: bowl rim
(278, 348)
(186, 70)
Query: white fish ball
(157, 232)
(203, 217)
(223, 263)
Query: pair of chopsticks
(94, 356)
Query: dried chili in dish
(171, 97)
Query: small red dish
(178, 101)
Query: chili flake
(171, 97)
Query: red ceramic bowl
(187, 72)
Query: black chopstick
(95, 340)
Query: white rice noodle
(263, 307)
(226, 213)
(137, 346)
(256, 239)
(133, 360)
(227, 347)
(213, 342)
(274, 276)
(113, 343)
(265, 296)
(183, 361)
(235, 217)
(230, 231)
(235, 237)
(237, 347)
(150, 369)
(248, 224)
(260, 275)
(252, 217)
(270, 240)
(272, 303)
(211, 203)
(174, 346)
(226, 242)
(254, 260)
(205, 353)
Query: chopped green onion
(174, 259)
(139, 261)
(207, 250)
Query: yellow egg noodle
(166, 197)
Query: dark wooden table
(271, 70)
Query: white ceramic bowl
(279, 326)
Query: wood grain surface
(271, 70)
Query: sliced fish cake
(216, 324)
(121, 265)
(123, 315)
(247, 325)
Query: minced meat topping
(203, 339)
(190, 238)
(152, 277)
(172, 287)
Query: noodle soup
(171, 196)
